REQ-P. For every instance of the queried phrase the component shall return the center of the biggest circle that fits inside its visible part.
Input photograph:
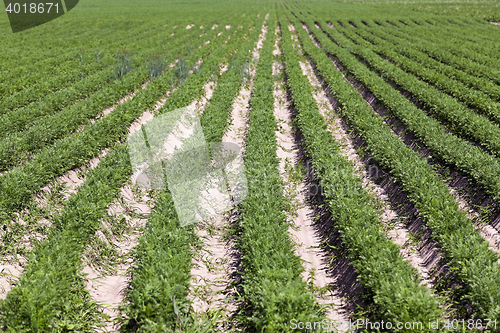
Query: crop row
(451, 149)
(475, 31)
(273, 290)
(214, 119)
(19, 185)
(439, 76)
(461, 120)
(156, 299)
(24, 74)
(50, 294)
(73, 73)
(35, 54)
(62, 306)
(466, 252)
(44, 132)
(22, 118)
(389, 279)
(435, 33)
(48, 49)
(443, 55)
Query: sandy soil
(303, 233)
(399, 234)
(107, 111)
(108, 289)
(12, 268)
(211, 268)
(224, 68)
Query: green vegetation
(390, 281)
(71, 89)
(463, 247)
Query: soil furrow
(48, 203)
(301, 215)
(211, 287)
(130, 211)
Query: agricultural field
(360, 191)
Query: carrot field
(334, 166)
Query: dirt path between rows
(397, 231)
(64, 186)
(302, 233)
(211, 283)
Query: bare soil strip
(303, 233)
(50, 200)
(127, 217)
(488, 232)
(106, 112)
(134, 206)
(212, 266)
(492, 236)
(397, 231)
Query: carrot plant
(464, 249)
(50, 294)
(274, 292)
(390, 281)
(156, 299)
(71, 152)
